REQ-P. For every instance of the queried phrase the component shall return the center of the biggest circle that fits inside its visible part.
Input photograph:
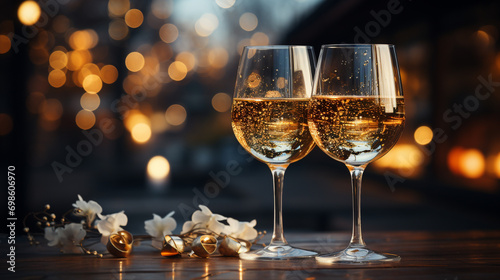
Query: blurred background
(128, 102)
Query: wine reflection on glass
(356, 116)
(269, 119)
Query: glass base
(357, 256)
(274, 252)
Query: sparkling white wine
(273, 130)
(356, 130)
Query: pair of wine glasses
(352, 107)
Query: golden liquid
(356, 130)
(273, 130)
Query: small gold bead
(26, 229)
(62, 220)
(44, 218)
(95, 253)
(47, 206)
(53, 216)
(47, 224)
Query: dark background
(445, 50)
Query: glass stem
(356, 176)
(278, 238)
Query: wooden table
(425, 255)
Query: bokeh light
(134, 61)
(60, 24)
(259, 39)
(118, 8)
(57, 78)
(58, 60)
(109, 74)
(221, 102)
(4, 44)
(248, 21)
(83, 39)
(225, 4)
(29, 12)
(78, 58)
(134, 18)
(118, 29)
(177, 71)
(472, 163)
(158, 168)
(133, 118)
(168, 33)
(92, 83)
(423, 135)
(175, 114)
(162, 8)
(6, 124)
(85, 119)
(90, 101)
(141, 133)
(496, 165)
(218, 57)
(206, 25)
(188, 59)
(51, 109)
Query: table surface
(424, 255)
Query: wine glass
(269, 119)
(356, 116)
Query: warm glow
(253, 80)
(454, 159)
(423, 135)
(51, 109)
(176, 114)
(132, 83)
(472, 163)
(162, 8)
(134, 61)
(133, 118)
(6, 124)
(118, 29)
(218, 57)
(248, 21)
(151, 66)
(4, 44)
(206, 25)
(109, 74)
(259, 39)
(60, 24)
(76, 59)
(83, 39)
(86, 70)
(134, 18)
(141, 132)
(188, 59)
(483, 38)
(168, 33)
(118, 7)
(92, 83)
(162, 51)
(404, 157)
(85, 119)
(158, 168)
(177, 71)
(90, 101)
(221, 102)
(225, 4)
(57, 78)
(58, 60)
(29, 12)
(158, 122)
(496, 165)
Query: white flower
(67, 238)
(109, 224)
(242, 230)
(159, 227)
(205, 219)
(88, 209)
